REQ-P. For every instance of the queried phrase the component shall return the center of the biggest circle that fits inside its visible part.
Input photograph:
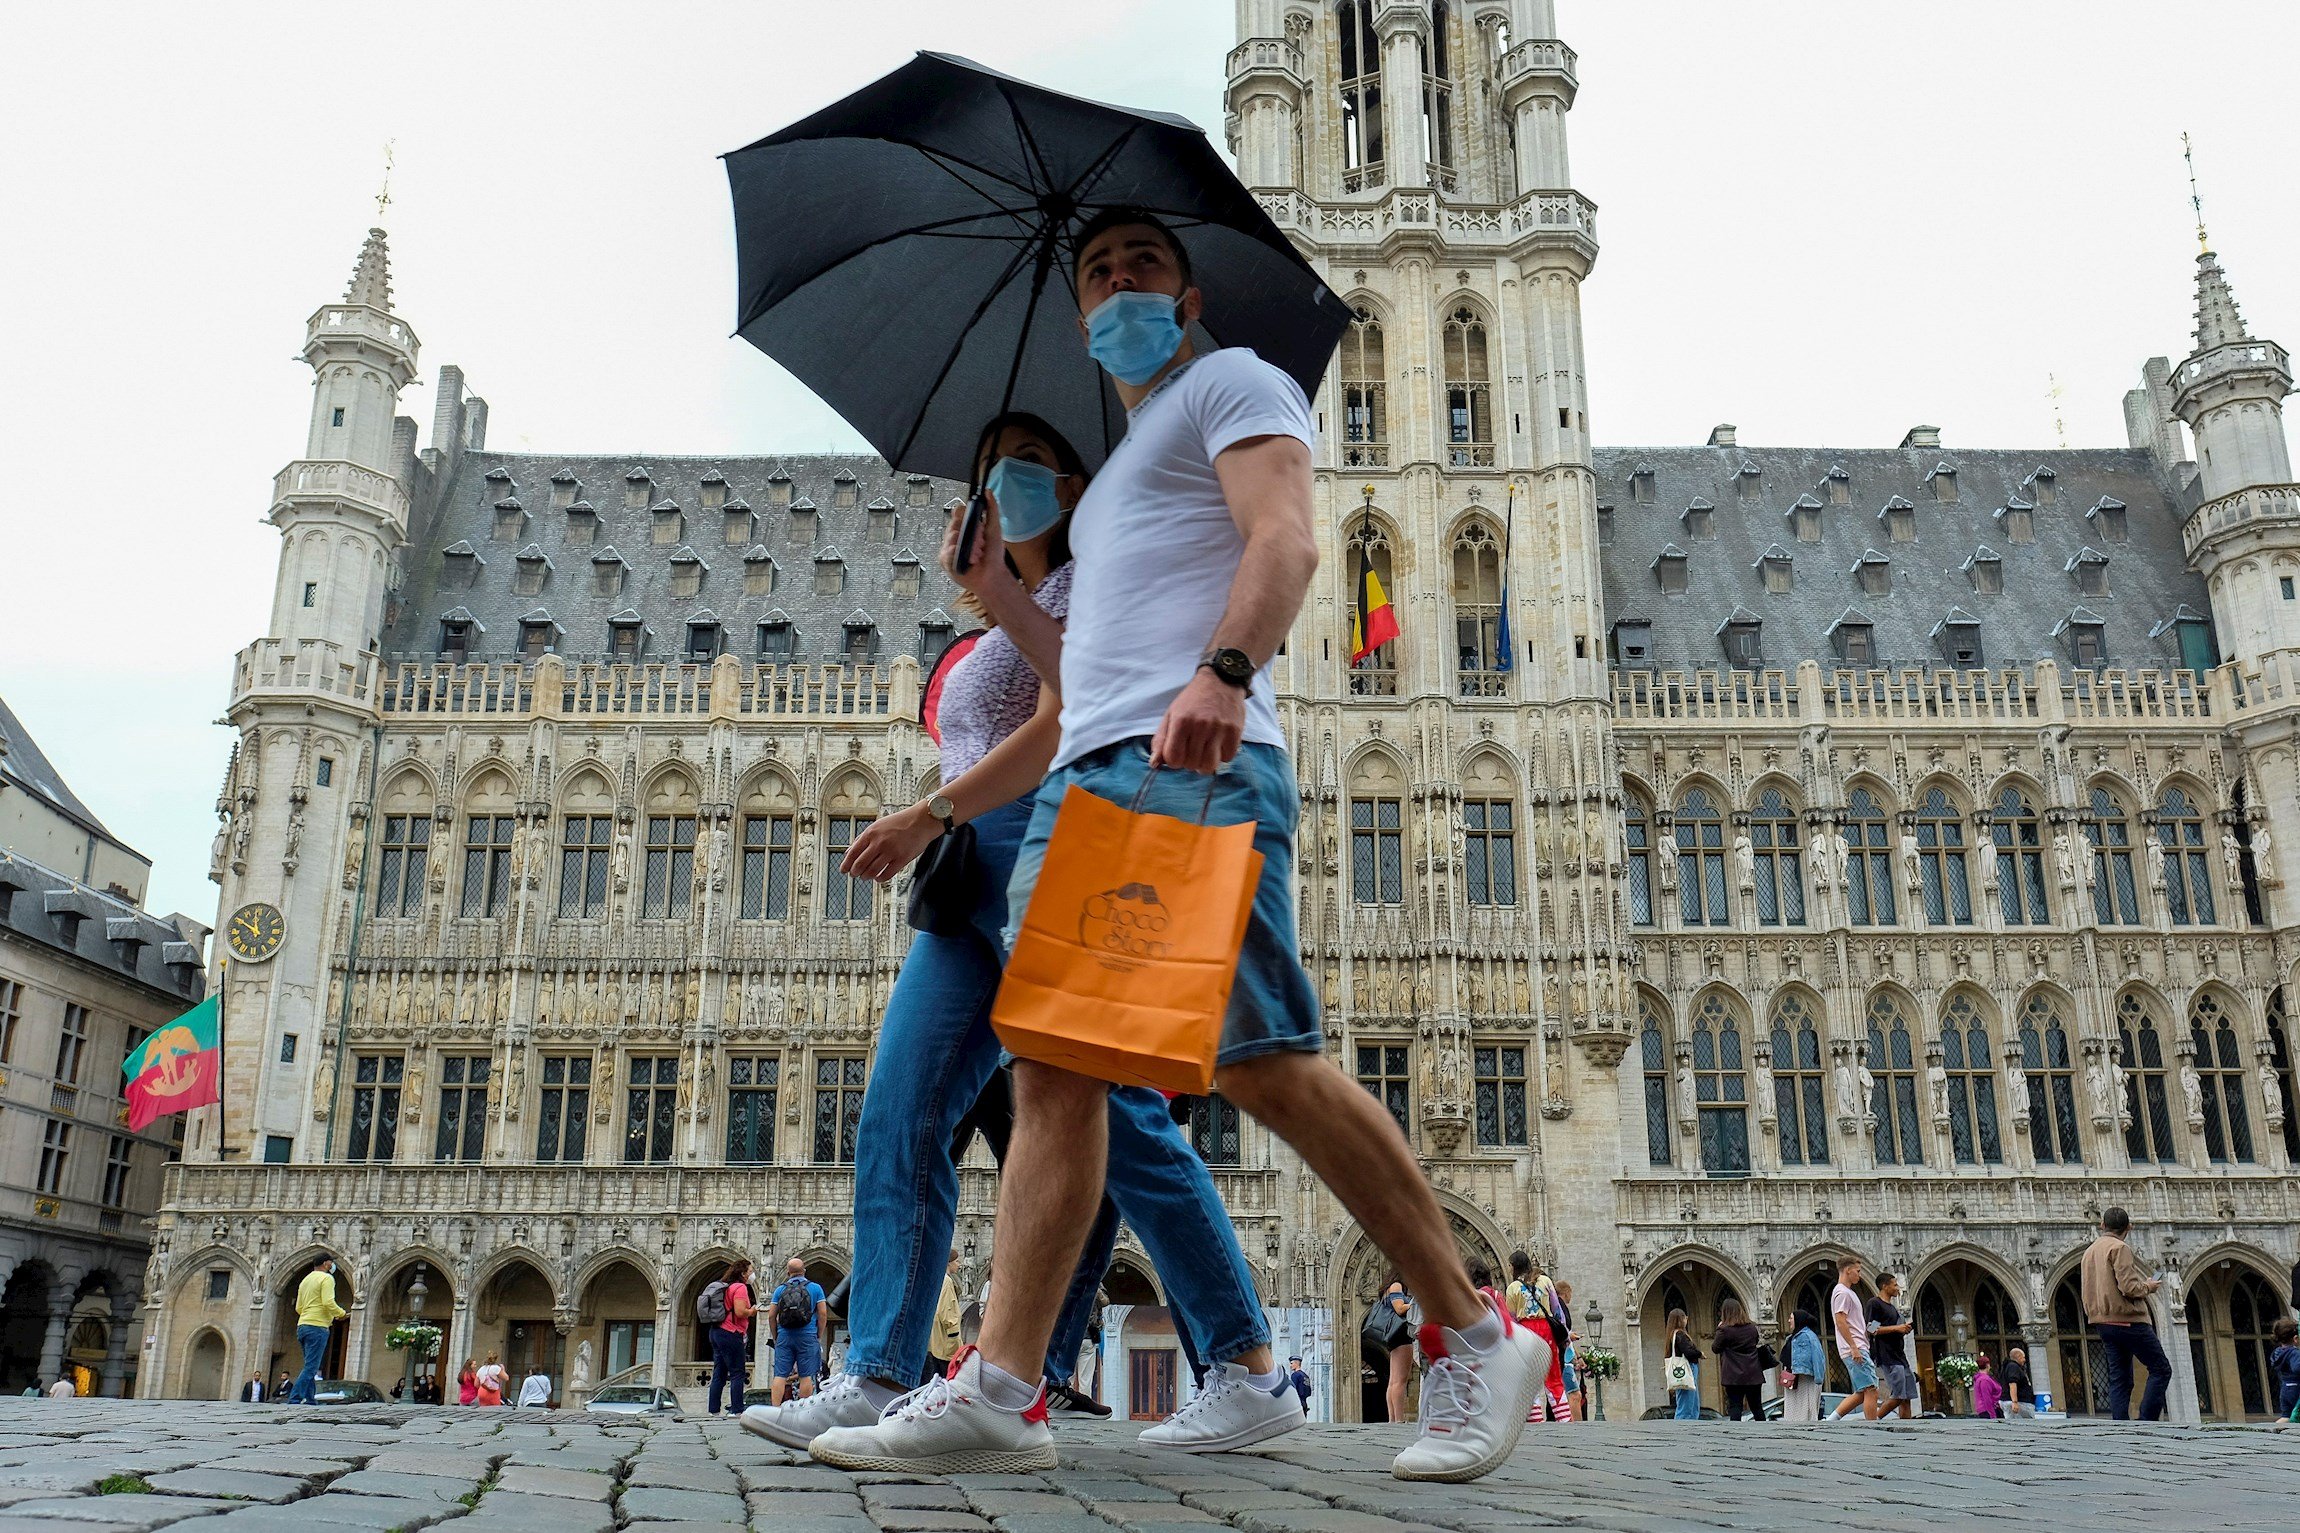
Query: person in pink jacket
(1986, 1390)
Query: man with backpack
(797, 1322)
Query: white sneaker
(794, 1424)
(1474, 1403)
(947, 1427)
(1229, 1413)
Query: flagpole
(223, 1058)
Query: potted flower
(1599, 1362)
(418, 1338)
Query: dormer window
(1750, 479)
(626, 638)
(1739, 635)
(845, 493)
(933, 638)
(1641, 485)
(2042, 487)
(1779, 570)
(758, 572)
(2107, 517)
(779, 490)
(2191, 632)
(2089, 568)
(2085, 637)
(1700, 520)
(906, 576)
(1804, 519)
(830, 575)
(455, 637)
(737, 526)
(538, 636)
(510, 521)
(670, 526)
(1900, 521)
(687, 572)
(861, 646)
(1943, 478)
(534, 569)
(607, 572)
(881, 528)
(777, 642)
(499, 484)
(712, 491)
(582, 522)
(703, 640)
(1604, 526)
(804, 519)
(564, 487)
(1669, 569)
(460, 564)
(1986, 570)
(921, 492)
(2017, 520)
(1958, 638)
(638, 490)
(1633, 643)
(1838, 486)
(1874, 574)
(1853, 636)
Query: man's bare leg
(1047, 1197)
(1354, 1147)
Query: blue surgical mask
(1025, 495)
(1133, 334)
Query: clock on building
(254, 932)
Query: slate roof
(41, 905)
(2148, 578)
(462, 519)
(24, 765)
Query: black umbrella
(906, 254)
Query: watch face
(1234, 666)
(254, 932)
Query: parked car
(633, 1400)
(1668, 1412)
(1830, 1400)
(345, 1392)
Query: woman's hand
(987, 561)
(890, 843)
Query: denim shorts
(1860, 1374)
(1273, 1007)
(797, 1355)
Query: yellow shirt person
(315, 1299)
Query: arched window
(1361, 97)
(1377, 674)
(1973, 1135)
(1653, 1052)
(1489, 833)
(1893, 1064)
(2253, 1310)
(2280, 1064)
(1468, 392)
(2083, 1356)
(1701, 861)
(2020, 859)
(2115, 896)
(1365, 393)
(850, 807)
(1869, 862)
(1720, 1087)
(2187, 869)
(1480, 663)
(1802, 1118)
(1377, 833)
(1637, 836)
(405, 847)
(1941, 861)
(1780, 861)
(2219, 1064)
(1437, 96)
(2051, 1072)
(2140, 1048)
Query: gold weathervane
(2195, 200)
(383, 197)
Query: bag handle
(1205, 806)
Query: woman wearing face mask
(999, 726)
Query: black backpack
(794, 1311)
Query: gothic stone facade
(1861, 850)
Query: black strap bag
(946, 885)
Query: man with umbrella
(1195, 550)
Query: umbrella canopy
(906, 253)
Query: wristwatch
(942, 809)
(1234, 666)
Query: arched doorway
(1149, 1367)
(617, 1312)
(88, 1341)
(1810, 1292)
(2080, 1374)
(204, 1370)
(1365, 1273)
(1700, 1290)
(2232, 1313)
(396, 1304)
(288, 1353)
(1961, 1308)
(693, 1347)
(24, 1327)
(515, 1321)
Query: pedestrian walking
(1889, 1349)
(315, 1313)
(1802, 1370)
(1531, 1298)
(535, 1389)
(1988, 1392)
(2116, 1295)
(724, 1309)
(1393, 1321)
(797, 1321)
(1681, 1369)
(1576, 1387)
(491, 1378)
(2018, 1402)
(1741, 1366)
(1849, 1325)
(1300, 1380)
(62, 1390)
(2284, 1365)
(467, 1383)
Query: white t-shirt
(1157, 551)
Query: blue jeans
(1687, 1402)
(313, 1340)
(936, 1051)
(729, 1367)
(2124, 1343)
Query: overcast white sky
(1824, 222)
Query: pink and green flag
(181, 1066)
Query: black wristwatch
(1234, 666)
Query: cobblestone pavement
(127, 1466)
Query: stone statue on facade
(2096, 1083)
(1849, 1106)
(291, 850)
(1761, 1082)
(2192, 1094)
(1911, 873)
(579, 1372)
(2232, 854)
(1745, 863)
(1867, 1108)
(1937, 1087)
(2155, 862)
(2064, 858)
(1688, 1099)
(2263, 863)
(2272, 1096)
(1988, 857)
(2016, 1088)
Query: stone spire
(371, 278)
(2217, 321)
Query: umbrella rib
(951, 360)
(938, 227)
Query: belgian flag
(1374, 622)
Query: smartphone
(970, 529)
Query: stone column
(455, 1345)
(358, 1342)
(2180, 1401)
(60, 1303)
(1400, 30)
(116, 1354)
(665, 1334)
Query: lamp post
(417, 1292)
(1596, 1319)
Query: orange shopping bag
(1122, 967)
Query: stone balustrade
(556, 687)
(303, 665)
(1418, 210)
(333, 480)
(1257, 53)
(2259, 506)
(1995, 1197)
(1898, 699)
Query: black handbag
(946, 885)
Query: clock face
(254, 932)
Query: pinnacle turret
(2217, 321)
(371, 278)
